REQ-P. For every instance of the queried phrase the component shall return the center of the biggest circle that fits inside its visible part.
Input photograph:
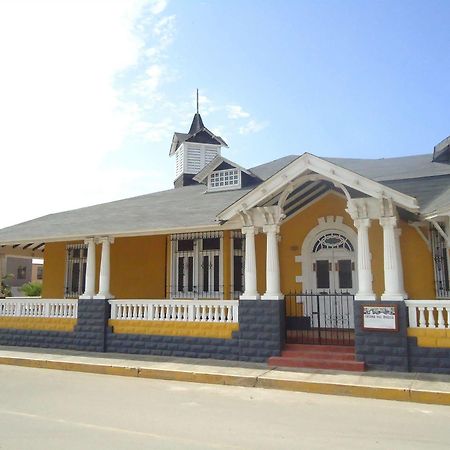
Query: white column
(104, 280)
(365, 289)
(89, 288)
(251, 292)
(392, 285)
(273, 291)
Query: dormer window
(223, 179)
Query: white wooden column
(89, 287)
(393, 286)
(251, 292)
(104, 290)
(273, 291)
(365, 278)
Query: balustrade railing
(38, 307)
(428, 313)
(215, 311)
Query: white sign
(380, 317)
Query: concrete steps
(332, 357)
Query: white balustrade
(428, 313)
(212, 311)
(38, 307)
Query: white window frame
(197, 254)
(82, 261)
(237, 252)
(224, 178)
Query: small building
(239, 263)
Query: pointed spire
(197, 100)
(197, 122)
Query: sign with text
(383, 318)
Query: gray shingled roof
(191, 206)
(185, 207)
(401, 168)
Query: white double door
(334, 282)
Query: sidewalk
(412, 387)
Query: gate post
(382, 349)
(261, 329)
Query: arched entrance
(323, 312)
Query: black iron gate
(320, 318)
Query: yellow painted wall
(417, 264)
(173, 328)
(138, 267)
(38, 323)
(294, 231)
(54, 270)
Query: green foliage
(32, 289)
(5, 290)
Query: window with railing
(75, 270)
(197, 265)
(441, 263)
(237, 263)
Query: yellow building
(301, 250)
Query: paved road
(50, 409)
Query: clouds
(236, 112)
(60, 110)
(253, 126)
(87, 107)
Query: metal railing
(320, 318)
(213, 311)
(38, 307)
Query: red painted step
(320, 348)
(318, 357)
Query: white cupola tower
(194, 150)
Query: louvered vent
(210, 154)
(179, 162)
(193, 160)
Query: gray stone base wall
(428, 359)
(260, 335)
(88, 335)
(37, 338)
(90, 331)
(177, 346)
(382, 350)
(261, 329)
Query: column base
(394, 297)
(365, 297)
(86, 297)
(278, 296)
(103, 297)
(245, 296)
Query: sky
(91, 91)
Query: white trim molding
(308, 162)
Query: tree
(5, 290)
(32, 289)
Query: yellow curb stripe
(263, 381)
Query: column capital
(271, 228)
(388, 222)
(361, 223)
(89, 240)
(103, 239)
(249, 229)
